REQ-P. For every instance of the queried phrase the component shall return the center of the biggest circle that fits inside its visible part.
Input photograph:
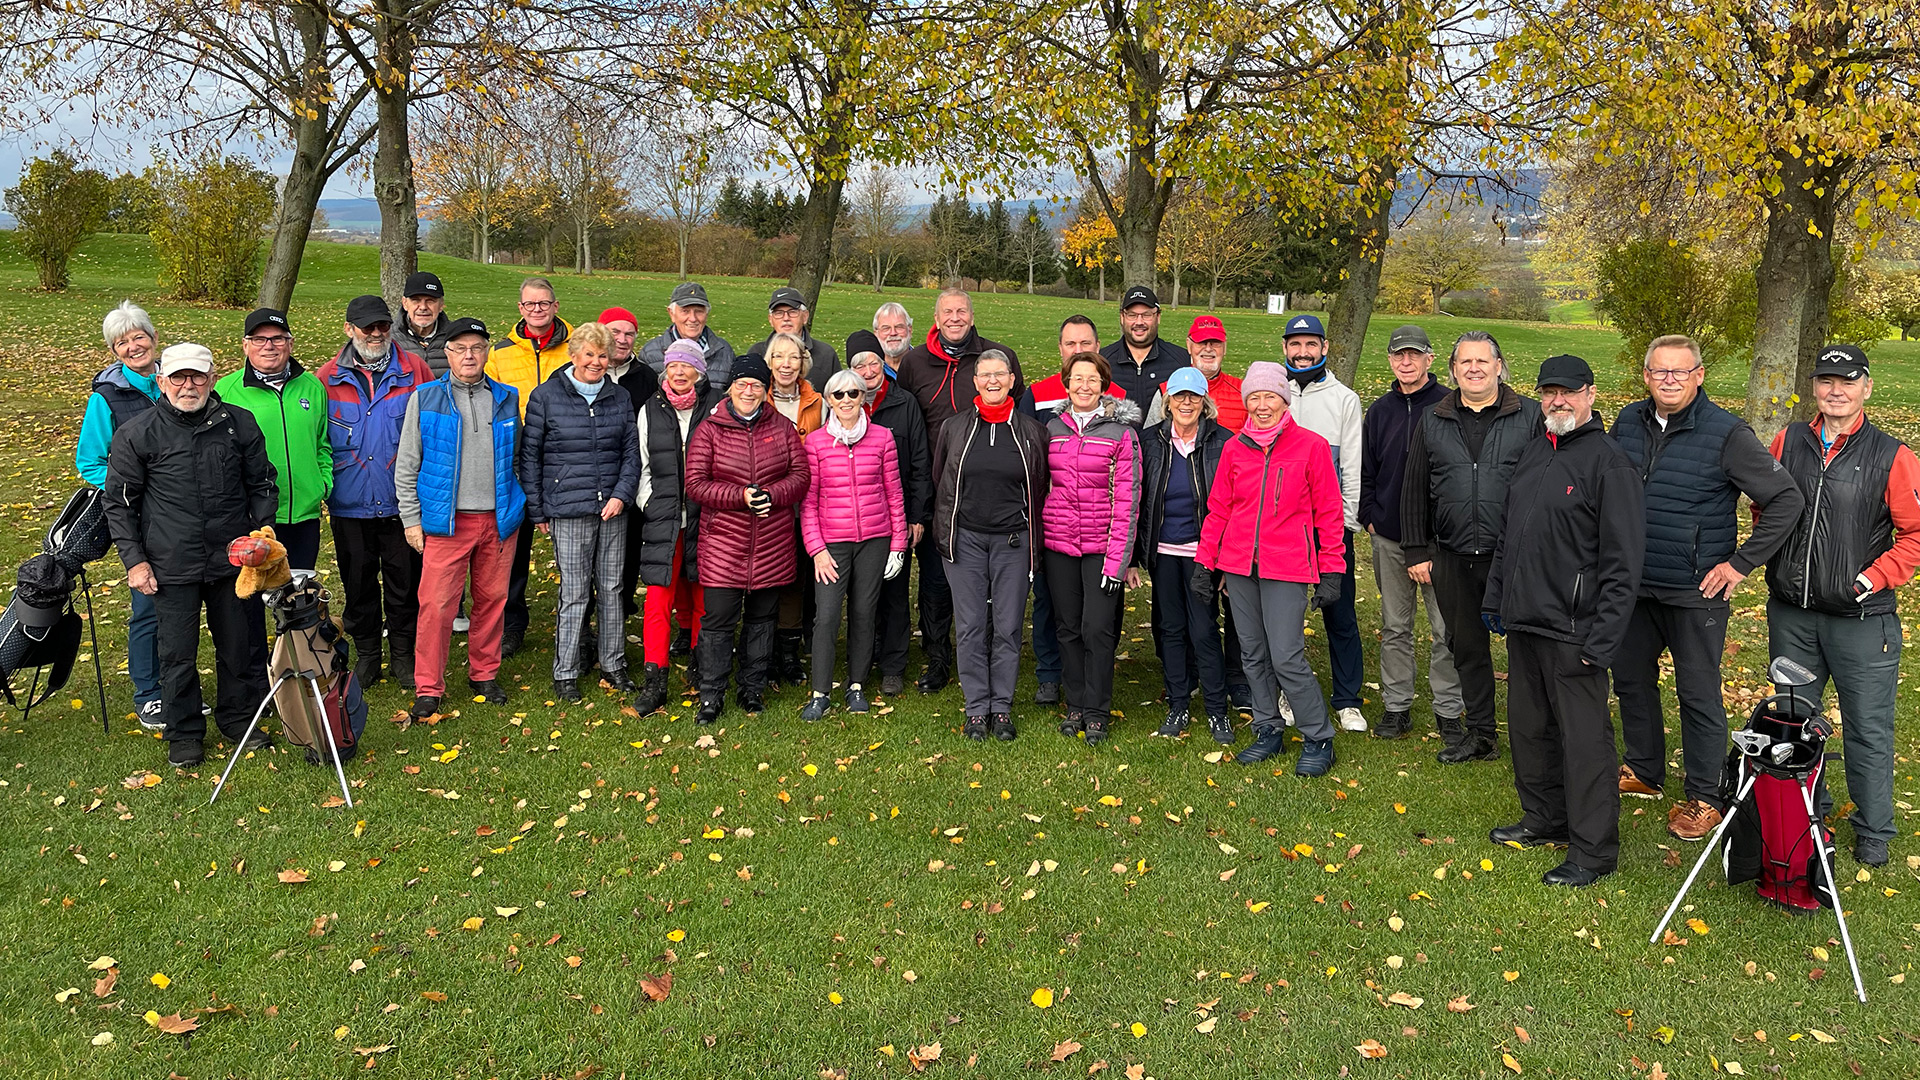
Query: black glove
(759, 501)
(1204, 583)
(1862, 588)
(1327, 593)
(1111, 585)
(1493, 622)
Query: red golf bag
(1781, 752)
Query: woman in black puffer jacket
(579, 462)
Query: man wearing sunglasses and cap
(1831, 603)
(184, 478)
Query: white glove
(1862, 588)
(896, 562)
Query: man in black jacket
(1142, 361)
(1696, 460)
(897, 411)
(787, 313)
(1453, 508)
(424, 330)
(185, 478)
(1561, 587)
(1384, 435)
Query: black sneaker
(1074, 723)
(488, 690)
(425, 706)
(1471, 748)
(1394, 725)
(366, 670)
(654, 693)
(567, 689)
(400, 669)
(1047, 693)
(510, 642)
(1266, 743)
(1097, 722)
(975, 728)
(682, 643)
(892, 685)
(1868, 851)
(856, 700)
(151, 716)
(815, 708)
(752, 702)
(259, 740)
(1001, 724)
(185, 753)
(1220, 726)
(710, 709)
(621, 681)
(1175, 725)
(1316, 757)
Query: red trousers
(475, 547)
(683, 598)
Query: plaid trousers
(590, 554)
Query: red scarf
(994, 414)
(879, 396)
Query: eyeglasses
(464, 351)
(537, 305)
(1092, 381)
(181, 378)
(270, 341)
(846, 395)
(1561, 393)
(992, 376)
(1670, 374)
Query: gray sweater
(474, 403)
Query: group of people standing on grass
(766, 497)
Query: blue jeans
(1046, 640)
(1343, 641)
(143, 649)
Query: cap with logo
(786, 296)
(689, 294)
(186, 356)
(267, 316)
(1304, 325)
(1187, 380)
(1409, 337)
(364, 311)
(1207, 328)
(468, 325)
(1846, 361)
(1139, 296)
(421, 283)
(1566, 371)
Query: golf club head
(1785, 671)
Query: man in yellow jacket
(523, 359)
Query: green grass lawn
(840, 895)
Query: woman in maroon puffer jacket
(854, 524)
(747, 470)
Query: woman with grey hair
(121, 391)
(853, 523)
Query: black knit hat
(752, 366)
(864, 341)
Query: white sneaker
(461, 623)
(150, 718)
(1352, 720)
(1286, 710)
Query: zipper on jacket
(1474, 507)
(953, 518)
(1260, 507)
(286, 444)
(1813, 521)
(1573, 613)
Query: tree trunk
(586, 248)
(1030, 263)
(1353, 306)
(1213, 293)
(393, 186)
(299, 198)
(1103, 281)
(1794, 282)
(546, 248)
(813, 249)
(685, 238)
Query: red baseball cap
(1207, 328)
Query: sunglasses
(846, 395)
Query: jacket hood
(1115, 408)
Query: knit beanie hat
(618, 314)
(685, 351)
(752, 366)
(1265, 375)
(864, 341)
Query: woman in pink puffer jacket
(1087, 527)
(853, 522)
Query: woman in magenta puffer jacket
(1274, 536)
(854, 524)
(1093, 458)
(747, 470)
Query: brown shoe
(1631, 784)
(1692, 820)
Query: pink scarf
(1264, 437)
(681, 402)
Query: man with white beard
(1562, 586)
(894, 327)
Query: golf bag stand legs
(1815, 830)
(1712, 845)
(93, 637)
(319, 700)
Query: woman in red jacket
(854, 524)
(747, 470)
(1274, 538)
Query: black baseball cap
(1566, 371)
(267, 316)
(421, 283)
(691, 294)
(1409, 337)
(364, 311)
(467, 325)
(1138, 295)
(786, 296)
(1846, 361)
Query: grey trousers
(1271, 617)
(1399, 594)
(994, 571)
(861, 565)
(1862, 657)
(591, 555)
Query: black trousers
(379, 568)
(861, 566)
(1087, 618)
(936, 607)
(630, 570)
(893, 625)
(1189, 635)
(1561, 734)
(302, 541)
(1460, 584)
(517, 618)
(758, 610)
(239, 658)
(1697, 636)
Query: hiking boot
(1692, 820)
(1001, 726)
(567, 689)
(1073, 723)
(488, 690)
(892, 685)
(424, 706)
(1394, 724)
(366, 670)
(400, 669)
(752, 702)
(151, 716)
(621, 681)
(259, 740)
(815, 708)
(1471, 748)
(682, 643)
(1047, 693)
(1352, 719)
(856, 699)
(185, 753)
(1097, 721)
(1220, 726)
(1631, 784)
(511, 641)
(793, 671)
(653, 694)
(975, 728)
(1175, 725)
(1266, 743)
(1316, 757)
(1868, 851)
(711, 706)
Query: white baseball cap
(186, 356)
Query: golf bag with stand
(1772, 832)
(41, 625)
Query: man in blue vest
(1696, 460)
(462, 506)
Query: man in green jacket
(291, 406)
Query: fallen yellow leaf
(473, 922)
(676, 936)
(1042, 998)
(160, 980)
(1138, 1029)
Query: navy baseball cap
(1301, 325)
